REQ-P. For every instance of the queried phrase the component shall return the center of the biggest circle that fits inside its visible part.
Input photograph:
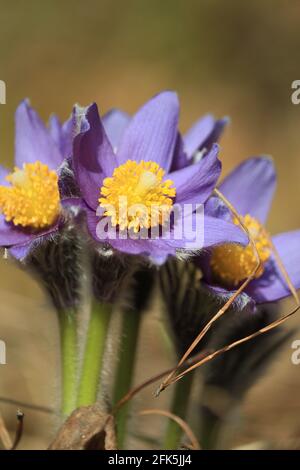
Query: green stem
(180, 402)
(93, 355)
(211, 426)
(125, 369)
(68, 338)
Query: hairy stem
(93, 355)
(125, 370)
(69, 359)
(179, 407)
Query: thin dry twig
(30, 406)
(181, 423)
(19, 430)
(197, 361)
(135, 390)
(234, 344)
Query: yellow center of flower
(136, 196)
(231, 264)
(33, 199)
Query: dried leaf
(88, 428)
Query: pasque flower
(32, 198)
(134, 160)
(250, 188)
(36, 223)
(39, 228)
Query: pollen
(137, 196)
(231, 263)
(32, 199)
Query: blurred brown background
(229, 58)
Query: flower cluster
(128, 195)
(120, 165)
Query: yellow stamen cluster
(33, 199)
(231, 264)
(136, 196)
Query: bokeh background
(229, 58)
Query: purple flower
(250, 188)
(31, 201)
(133, 158)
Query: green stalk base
(180, 402)
(93, 355)
(68, 339)
(125, 369)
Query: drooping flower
(135, 163)
(250, 188)
(31, 199)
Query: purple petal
(11, 235)
(93, 157)
(216, 133)
(217, 231)
(152, 132)
(213, 232)
(194, 233)
(157, 250)
(180, 159)
(195, 183)
(203, 134)
(271, 286)
(250, 187)
(197, 134)
(115, 123)
(92, 220)
(62, 134)
(33, 141)
(20, 252)
(154, 248)
(215, 207)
